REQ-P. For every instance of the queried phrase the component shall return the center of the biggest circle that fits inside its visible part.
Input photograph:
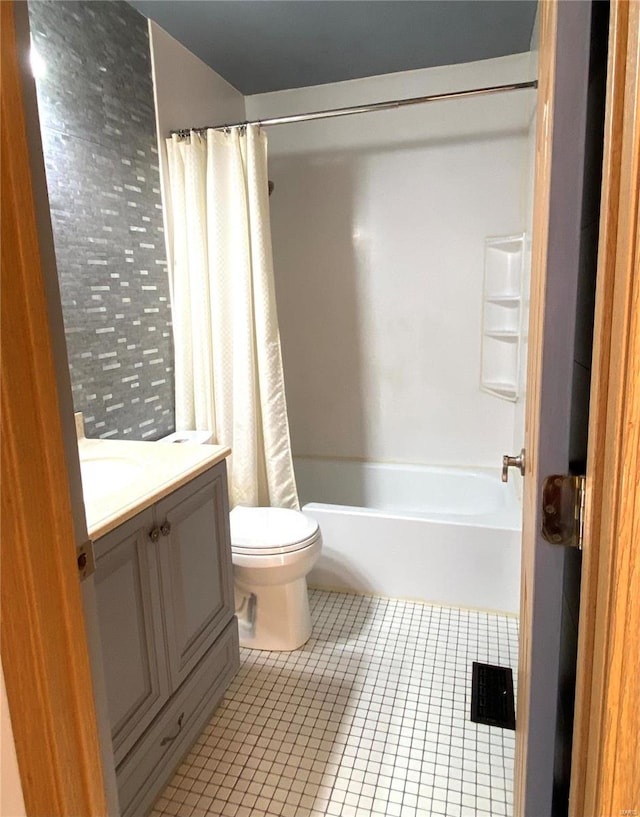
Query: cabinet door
(195, 567)
(131, 634)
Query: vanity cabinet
(131, 630)
(169, 637)
(195, 570)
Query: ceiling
(269, 45)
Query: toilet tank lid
(270, 527)
(201, 437)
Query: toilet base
(280, 615)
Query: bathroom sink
(105, 475)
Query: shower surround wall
(95, 96)
(379, 222)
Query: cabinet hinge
(86, 560)
(563, 498)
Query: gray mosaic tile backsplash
(99, 137)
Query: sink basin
(105, 475)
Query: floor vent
(492, 696)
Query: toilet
(273, 550)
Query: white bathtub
(443, 535)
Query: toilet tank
(201, 437)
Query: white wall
(188, 94)
(378, 228)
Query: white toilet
(273, 549)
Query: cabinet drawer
(148, 768)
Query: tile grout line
(369, 718)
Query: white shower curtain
(228, 364)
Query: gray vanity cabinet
(196, 571)
(169, 635)
(131, 630)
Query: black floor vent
(492, 696)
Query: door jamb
(606, 747)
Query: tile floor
(371, 717)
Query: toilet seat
(273, 550)
(271, 531)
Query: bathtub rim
(508, 517)
(488, 520)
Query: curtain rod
(376, 106)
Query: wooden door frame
(605, 775)
(43, 645)
(44, 649)
(540, 237)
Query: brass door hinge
(563, 510)
(86, 560)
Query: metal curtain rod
(376, 106)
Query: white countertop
(120, 478)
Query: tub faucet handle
(512, 462)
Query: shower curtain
(228, 363)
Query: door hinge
(86, 560)
(563, 510)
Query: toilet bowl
(272, 551)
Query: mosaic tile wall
(95, 95)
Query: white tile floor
(371, 717)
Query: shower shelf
(507, 299)
(505, 334)
(505, 390)
(503, 315)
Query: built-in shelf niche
(503, 315)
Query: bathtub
(444, 535)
